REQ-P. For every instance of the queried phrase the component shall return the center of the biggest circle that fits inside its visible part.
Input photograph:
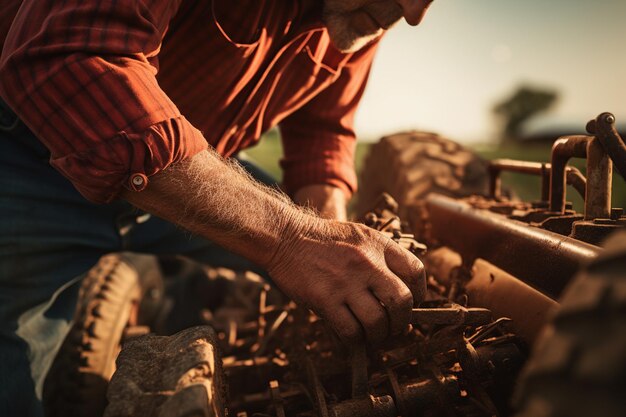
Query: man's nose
(414, 10)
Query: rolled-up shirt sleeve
(81, 74)
(319, 139)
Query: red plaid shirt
(114, 88)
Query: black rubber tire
(578, 366)
(409, 166)
(122, 287)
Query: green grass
(269, 151)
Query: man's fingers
(371, 314)
(396, 299)
(345, 324)
(409, 268)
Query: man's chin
(345, 39)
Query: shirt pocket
(324, 59)
(241, 30)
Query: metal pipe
(599, 177)
(475, 233)
(545, 182)
(360, 380)
(563, 149)
(492, 288)
(604, 129)
(496, 167)
(573, 176)
(451, 315)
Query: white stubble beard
(343, 37)
(338, 16)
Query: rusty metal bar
(277, 399)
(491, 287)
(604, 128)
(360, 380)
(573, 176)
(545, 182)
(450, 316)
(563, 149)
(599, 181)
(317, 389)
(552, 258)
(599, 174)
(371, 406)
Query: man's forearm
(351, 275)
(218, 200)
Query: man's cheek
(361, 24)
(387, 13)
(346, 6)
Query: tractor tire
(578, 367)
(169, 376)
(409, 166)
(122, 291)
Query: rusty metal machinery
(496, 267)
(559, 240)
(281, 360)
(457, 361)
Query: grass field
(269, 151)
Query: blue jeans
(50, 236)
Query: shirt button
(138, 181)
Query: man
(106, 94)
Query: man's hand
(330, 202)
(353, 276)
(363, 283)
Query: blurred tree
(520, 107)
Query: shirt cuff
(129, 159)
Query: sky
(446, 74)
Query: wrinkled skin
(360, 281)
(353, 24)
